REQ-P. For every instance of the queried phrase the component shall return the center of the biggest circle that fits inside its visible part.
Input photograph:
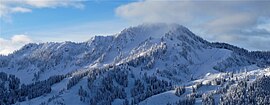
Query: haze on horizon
(242, 23)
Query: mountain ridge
(148, 58)
(123, 43)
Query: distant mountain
(128, 68)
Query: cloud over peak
(227, 21)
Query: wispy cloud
(16, 42)
(20, 9)
(8, 7)
(227, 21)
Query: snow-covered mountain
(140, 65)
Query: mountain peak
(154, 30)
(127, 67)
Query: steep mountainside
(127, 68)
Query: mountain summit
(130, 67)
(155, 30)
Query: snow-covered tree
(180, 90)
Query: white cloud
(217, 20)
(8, 7)
(155, 11)
(20, 9)
(7, 46)
(21, 39)
(54, 3)
(265, 25)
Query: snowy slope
(142, 64)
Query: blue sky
(42, 20)
(242, 23)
